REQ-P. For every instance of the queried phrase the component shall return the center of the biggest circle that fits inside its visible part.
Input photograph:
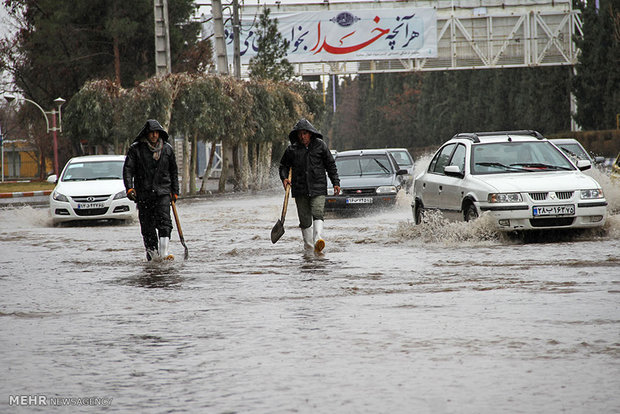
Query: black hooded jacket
(309, 164)
(150, 177)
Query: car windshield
(510, 157)
(402, 158)
(363, 165)
(93, 170)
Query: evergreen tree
(270, 61)
(597, 83)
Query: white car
(91, 188)
(519, 177)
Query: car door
(451, 188)
(432, 185)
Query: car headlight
(59, 197)
(386, 189)
(330, 191)
(505, 198)
(119, 195)
(593, 193)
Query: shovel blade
(277, 231)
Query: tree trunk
(207, 173)
(245, 166)
(117, 62)
(236, 167)
(254, 165)
(184, 180)
(193, 161)
(225, 161)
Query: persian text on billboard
(400, 33)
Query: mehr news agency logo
(55, 401)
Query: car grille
(561, 195)
(90, 198)
(91, 211)
(359, 191)
(552, 222)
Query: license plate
(566, 210)
(359, 200)
(84, 206)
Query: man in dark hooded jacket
(151, 179)
(310, 160)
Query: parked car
(519, 177)
(405, 162)
(575, 150)
(91, 188)
(368, 178)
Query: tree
(597, 83)
(270, 61)
(62, 44)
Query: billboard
(325, 36)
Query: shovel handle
(176, 219)
(286, 194)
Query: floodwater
(393, 318)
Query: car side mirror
(52, 179)
(402, 172)
(453, 171)
(599, 160)
(584, 165)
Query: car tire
(470, 213)
(418, 213)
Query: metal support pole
(54, 130)
(236, 40)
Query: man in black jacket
(151, 179)
(310, 160)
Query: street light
(58, 101)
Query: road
(393, 318)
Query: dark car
(368, 178)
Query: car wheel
(470, 213)
(418, 213)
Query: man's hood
(302, 124)
(152, 125)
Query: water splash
(25, 216)
(610, 188)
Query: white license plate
(84, 206)
(359, 200)
(566, 210)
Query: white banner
(399, 33)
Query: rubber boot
(319, 243)
(307, 234)
(163, 248)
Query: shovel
(176, 219)
(278, 229)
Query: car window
(364, 165)
(403, 159)
(97, 170)
(441, 159)
(510, 157)
(458, 158)
(575, 151)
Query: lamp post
(55, 129)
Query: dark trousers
(155, 222)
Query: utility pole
(236, 40)
(220, 42)
(162, 38)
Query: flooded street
(393, 318)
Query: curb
(26, 194)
